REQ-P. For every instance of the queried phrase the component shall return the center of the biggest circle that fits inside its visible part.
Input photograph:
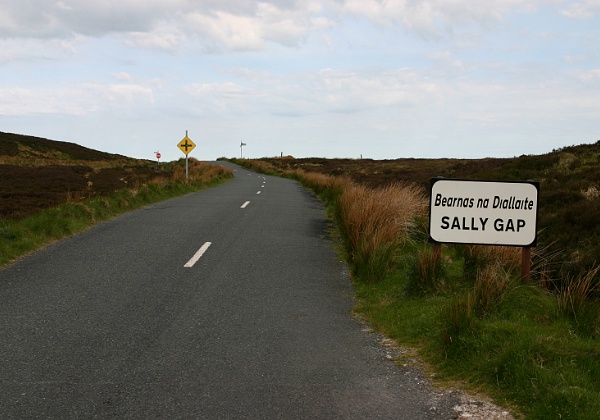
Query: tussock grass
(328, 187)
(490, 289)
(477, 257)
(458, 321)
(426, 273)
(578, 302)
(23, 236)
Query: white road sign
(483, 212)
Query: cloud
(582, 9)
(432, 19)
(167, 24)
(233, 32)
(163, 37)
(589, 76)
(246, 25)
(328, 91)
(74, 100)
(230, 97)
(44, 50)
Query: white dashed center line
(197, 255)
(245, 205)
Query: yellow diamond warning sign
(186, 145)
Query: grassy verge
(531, 347)
(23, 236)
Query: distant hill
(17, 145)
(37, 173)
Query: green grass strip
(21, 237)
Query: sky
(380, 79)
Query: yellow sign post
(186, 145)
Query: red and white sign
(158, 155)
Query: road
(122, 321)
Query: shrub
(425, 273)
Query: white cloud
(35, 50)
(584, 9)
(163, 37)
(245, 24)
(123, 94)
(75, 100)
(434, 18)
(122, 76)
(218, 98)
(589, 76)
(230, 31)
(322, 92)
(166, 24)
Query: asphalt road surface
(229, 303)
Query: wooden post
(526, 265)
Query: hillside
(37, 173)
(16, 146)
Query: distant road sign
(186, 145)
(158, 156)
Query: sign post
(485, 213)
(186, 145)
(242, 144)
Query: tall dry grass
(199, 172)
(375, 222)
(374, 219)
(328, 187)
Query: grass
(532, 347)
(375, 223)
(578, 303)
(21, 236)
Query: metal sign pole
(242, 144)
(186, 161)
